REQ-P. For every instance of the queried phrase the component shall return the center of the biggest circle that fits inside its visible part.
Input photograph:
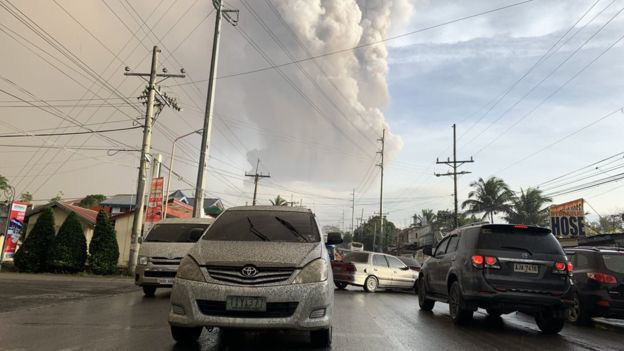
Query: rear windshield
(279, 226)
(176, 232)
(614, 262)
(519, 240)
(356, 257)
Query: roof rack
(474, 224)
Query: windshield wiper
(517, 248)
(292, 229)
(256, 232)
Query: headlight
(189, 270)
(143, 260)
(313, 272)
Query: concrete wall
(123, 230)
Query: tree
(488, 197)
(91, 200)
(364, 234)
(426, 216)
(103, 249)
(279, 201)
(26, 197)
(529, 208)
(607, 225)
(33, 254)
(58, 197)
(4, 183)
(69, 249)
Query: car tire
(149, 291)
(424, 303)
(459, 314)
(321, 338)
(341, 285)
(415, 288)
(579, 314)
(548, 323)
(371, 284)
(186, 336)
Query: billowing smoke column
(338, 145)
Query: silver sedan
(372, 270)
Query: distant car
(257, 267)
(356, 246)
(372, 270)
(163, 248)
(599, 280)
(501, 268)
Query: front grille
(273, 310)
(265, 275)
(164, 261)
(160, 274)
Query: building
(123, 203)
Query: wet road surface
(381, 321)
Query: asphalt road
(113, 315)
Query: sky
(532, 87)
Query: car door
(381, 270)
(435, 278)
(446, 261)
(402, 276)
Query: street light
(171, 167)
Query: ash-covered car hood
(258, 253)
(165, 250)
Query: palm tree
(426, 216)
(529, 208)
(488, 197)
(279, 201)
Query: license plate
(245, 303)
(526, 268)
(165, 281)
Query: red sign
(155, 201)
(14, 229)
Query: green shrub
(103, 249)
(32, 255)
(69, 249)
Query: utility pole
(381, 167)
(454, 164)
(205, 144)
(352, 210)
(256, 177)
(151, 91)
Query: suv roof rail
(474, 224)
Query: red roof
(86, 214)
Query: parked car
(599, 280)
(163, 248)
(410, 262)
(502, 268)
(356, 246)
(257, 267)
(372, 270)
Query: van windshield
(519, 240)
(281, 226)
(176, 232)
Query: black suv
(599, 280)
(502, 268)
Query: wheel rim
(453, 303)
(372, 284)
(575, 310)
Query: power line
(67, 133)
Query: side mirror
(196, 234)
(334, 238)
(405, 268)
(428, 250)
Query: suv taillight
(491, 262)
(602, 277)
(570, 267)
(560, 268)
(477, 261)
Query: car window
(614, 262)
(379, 260)
(441, 248)
(281, 226)
(175, 232)
(452, 246)
(355, 257)
(395, 262)
(519, 240)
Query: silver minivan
(163, 248)
(257, 267)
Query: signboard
(568, 219)
(155, 201)
(14, 229)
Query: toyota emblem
(525, 255)
(249, 271)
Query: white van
(163, 248)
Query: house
(122, 203)
(212, 206)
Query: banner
(16, 222)
(155, 201)
(568, 219)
